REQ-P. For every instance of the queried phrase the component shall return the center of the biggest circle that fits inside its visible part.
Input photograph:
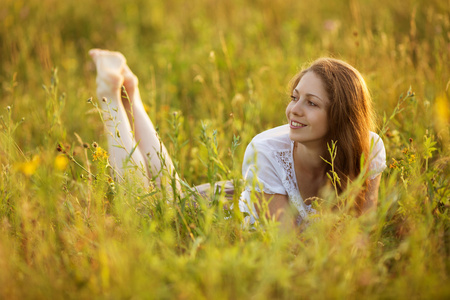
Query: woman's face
(307, 111)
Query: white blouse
(269, 167)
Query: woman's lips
(295, 124)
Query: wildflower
(394, 164)
(89, 100)
(86, 145)
(412, 158)
(100, 154)
(29, 168)
(104, 99)
(94, 144)
(61, 162)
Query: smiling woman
(329, 103)
(307, 112)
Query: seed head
(94, 144)
(104, 99)
(86, 145)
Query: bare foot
(110, 66)
(112, 74)
(130, 83)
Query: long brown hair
(350, 117)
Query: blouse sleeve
(377, 156)
(260, 165)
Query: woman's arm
(372, 194)
(278, 207)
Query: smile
(295, 124)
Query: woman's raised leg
(126, 114)
(150, 144)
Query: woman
(329, 103)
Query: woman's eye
(311, 103)
(293, 98)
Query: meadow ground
(211, 71)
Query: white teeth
(297, 124)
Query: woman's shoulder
(273, 139)
(377, 155)
(374, 136)
(375, 141)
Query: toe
(94, 53)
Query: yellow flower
(441, 109)
(29, 168)
(100, 154)
(61, 162)
(394, 165)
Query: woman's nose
(298, 108)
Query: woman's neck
(309, 160)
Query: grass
(211, 71)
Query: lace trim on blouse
(284, 159)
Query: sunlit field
(212, 75)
